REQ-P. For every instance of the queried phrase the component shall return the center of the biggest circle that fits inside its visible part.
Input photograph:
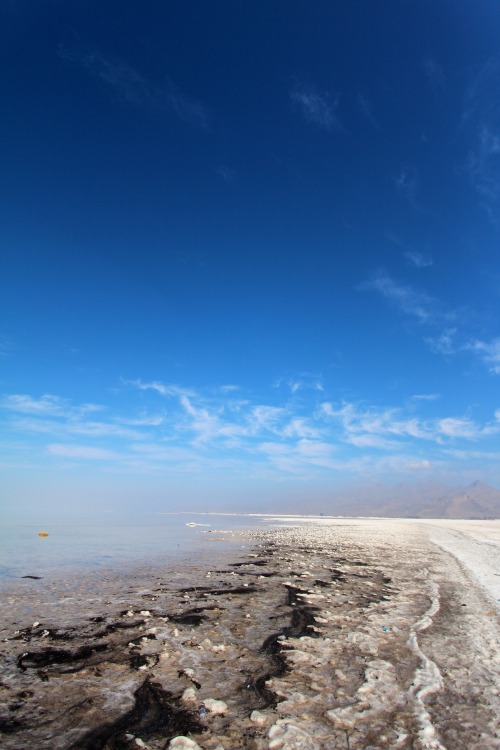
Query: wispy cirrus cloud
(419, 260)
(360, 422)
(302, 382)
(489, 351)
(454, 427)
(82, 451)
(300, 427)
(161, 388)
(74, 427)
(448, 333)
(481, 125)
(415, 258)
(134, 88)
(226, 173)
(47, 405)
(446, 342)
(301, 457)
(450, 342)
(413, 302)
(483, 166)
(211, 430)
(407, 184)
(318, 109)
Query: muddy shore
(318, 636)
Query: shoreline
(339, 633)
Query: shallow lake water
(88, 544)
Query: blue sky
(247, 248)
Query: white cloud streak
(407, 185)
(411, 301)
(489, 351)
(448, 340)
(211, 431)
(481, 125)
(85, 452)
(425, 397)
(317, 108)
(134, 88)
(419, 260)
(360, 425)
(47, 405)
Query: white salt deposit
(359, 633)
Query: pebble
(183, 743)
(189, 696)
(215, 706)
(258, 718)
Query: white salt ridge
(381, 690)
(428, 678)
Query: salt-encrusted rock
(215, 706)
(189, 696)
(297, 656)
(183, 743)
(258, 718)
(285, 736)
(342, 718)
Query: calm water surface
(89, 544)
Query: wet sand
(330, 634)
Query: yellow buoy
(43, 533)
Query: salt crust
(402, 649)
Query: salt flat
(364, 634)
(475, 544)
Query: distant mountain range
(431, 500)
(424, 500)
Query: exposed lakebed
(321, 636)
